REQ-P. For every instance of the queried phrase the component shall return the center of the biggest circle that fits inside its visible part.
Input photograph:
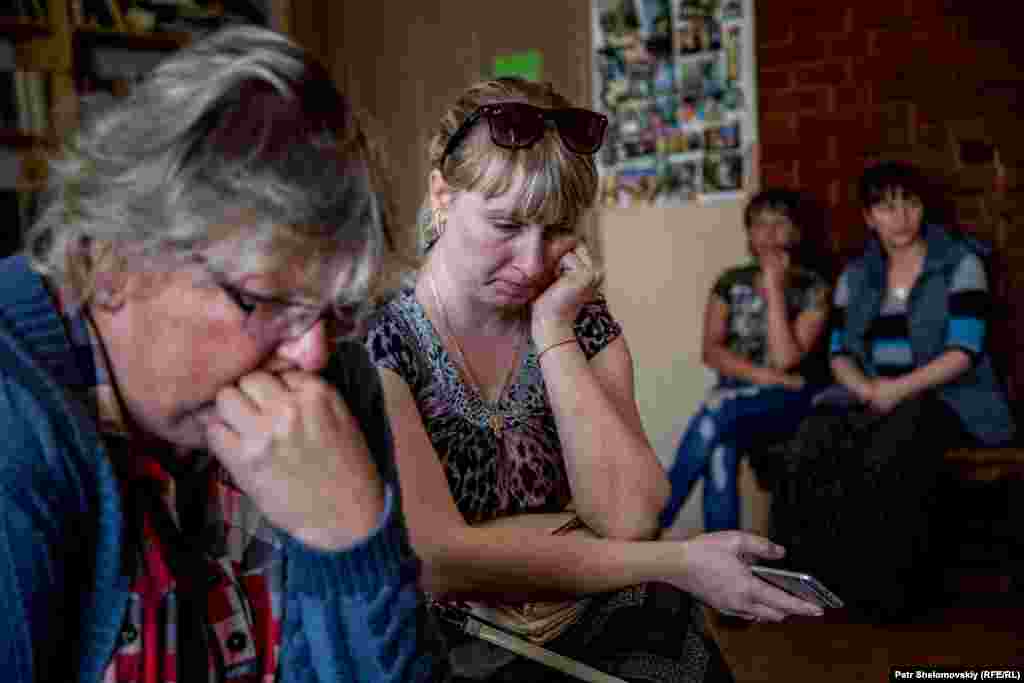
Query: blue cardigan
(976, 396)
(353, 615)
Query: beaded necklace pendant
(497, 423)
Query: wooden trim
(23, 29)
(987, 456)
(163, 40)
(11, 137)
(281, 16)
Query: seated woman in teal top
(763, 322)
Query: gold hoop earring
(440, 223)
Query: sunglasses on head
(517, 125)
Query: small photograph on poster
(655, 20)
(639, 31)
(679, 179)
(636, 182)
(695, 8)
(613, 84)
(664, 78)
(624, 63)
(686, 38)
(666, 110)
(712, 33)
(733, 35)
(642, 146)
(723, 172)
(732, 100)
(680, 140)
(690, 72)
(725, 137)
(610, 151)
(712, 75)
(639, 80)
(697, 34)
(635, 131)
(616, 23)
(710, 110)
(608, 189)
(686, 114)
(632, 117)
(732, 10)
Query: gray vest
(977, 395)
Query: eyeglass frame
(549, 115)
(249, 304)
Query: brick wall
(935, 82)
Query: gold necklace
(496, 420)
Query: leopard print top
(525, 471)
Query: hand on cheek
(576, 281)
(291, 444)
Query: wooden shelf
(18, 28)
(162, 40)
(11, 137)
(31, 187)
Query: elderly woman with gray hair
(196, 481)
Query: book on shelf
(39, 102)
(116, 16)
(38, 9)
(117, 86)
(8, 100)
(31, 101)
(94, 14)
(167, 16)
(10, 226)
(77, 12)
(24, 122)
(19, 209)
(34, 10)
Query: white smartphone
(803, 586)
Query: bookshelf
(22, 28)
(53, 52)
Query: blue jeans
(730, 421)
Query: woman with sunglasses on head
(510, 390)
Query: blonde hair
(558, 185)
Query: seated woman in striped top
(908, 350)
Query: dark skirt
(854, 502)
(653, 633)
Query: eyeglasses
(271, 319)
(516, 125)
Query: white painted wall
(660, 265)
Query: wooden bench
(988, 464)
(971, 464)
(997, 468)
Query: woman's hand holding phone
(718, 573)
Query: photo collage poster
(676, 79)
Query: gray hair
(241, 130)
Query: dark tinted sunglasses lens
(515, 127)
(582, 130)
